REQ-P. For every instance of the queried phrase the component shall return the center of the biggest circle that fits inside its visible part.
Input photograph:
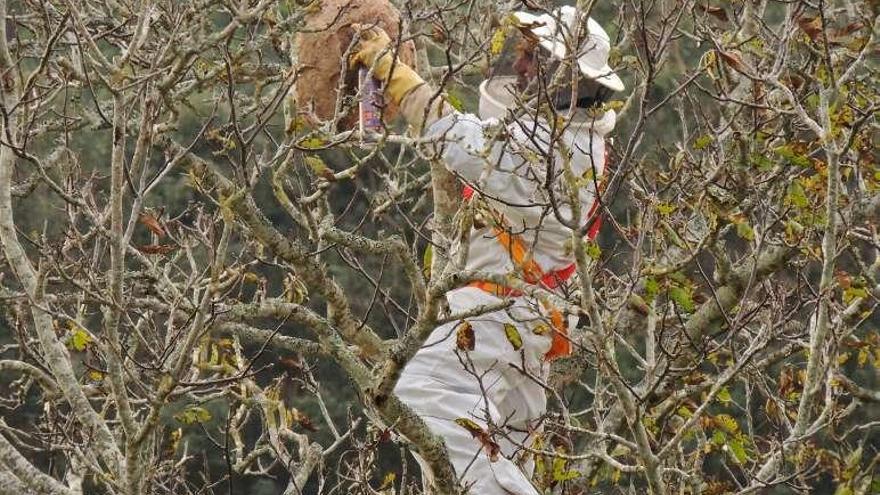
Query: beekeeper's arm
(419, 104)
(463, 135)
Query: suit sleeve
(471, 149)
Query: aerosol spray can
(369, 106)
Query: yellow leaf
(295, 291)
(665, 208)
(614, 105)
(174, 440)
(388, 481)
(863, 356)
(79, 337)
(497, 43)
(214, 358)
(542, 329)
(313, 143)
(319, 167)
(513, 336)
(615, 476)
(193, 414)
(427, 259)
(469, 425)
(727, 423)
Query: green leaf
(593, 250)
(852, 293)
(844, 489)
(513, 336)
(719, 438)
(650, 423)
(745, 231)
(652, 287)
(852, 463)
(193, 414)
(703, 142)
(454, 101)
(791, 156)
(762, 163)
(560, 473)
(724, 395)
(682, 298)
(317, 165)
(796, 195)
(736, 447)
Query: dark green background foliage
(380, 294)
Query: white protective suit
(495, 385)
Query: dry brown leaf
(812, 26)
(848, 29)
(476, 431)
(464, 336)
(716, 12)
(152, 223)
(304, 421)
(733, 60)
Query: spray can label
(369, 106)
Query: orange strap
(533, 274)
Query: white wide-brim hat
(555, 32)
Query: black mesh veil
(535, 74)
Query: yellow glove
(374, 50)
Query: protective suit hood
(496, 99)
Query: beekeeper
(479, 381)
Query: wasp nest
(321, 47)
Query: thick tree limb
(27, 474)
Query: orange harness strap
(533, 274)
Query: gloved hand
(374, 49)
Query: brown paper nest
(321, 51)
